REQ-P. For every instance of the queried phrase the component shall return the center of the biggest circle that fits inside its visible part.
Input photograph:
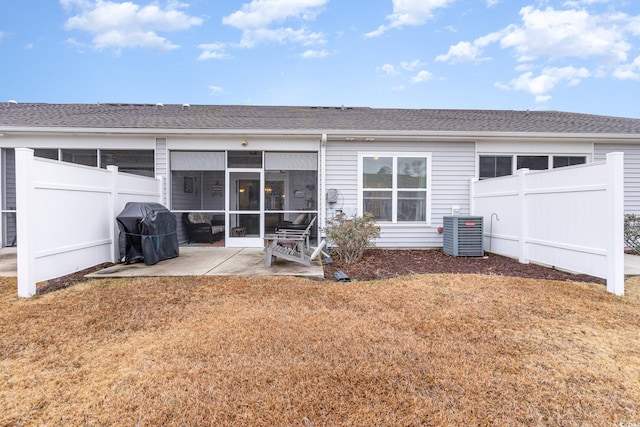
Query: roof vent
(186, 106)
(12, 101)
(159, 105)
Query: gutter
(323, 181)
(334, 134)
(18, 130)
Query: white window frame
(394, 187)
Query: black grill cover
(147, 233)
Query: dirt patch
(69, 279)
(388, 263)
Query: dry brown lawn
(417, 350)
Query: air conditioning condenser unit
(462, 236)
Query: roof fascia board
(477, 136)
(17, 130)
(354, 135)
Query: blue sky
(570, 55)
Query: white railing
(569, 218)
(66, 215)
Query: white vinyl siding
(631, 172)
(9, 197)
(162, 165)
(452, 167)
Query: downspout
(322, 211)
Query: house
(247, 169)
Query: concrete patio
(194, 261)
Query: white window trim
(394, 199)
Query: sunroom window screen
(198, 180)
(291, 161)
(197, 160)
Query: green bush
(351, 235)
(632, 232)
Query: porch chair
(292, 245)
(295, 232)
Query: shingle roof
(274, 118)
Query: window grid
(416, 198)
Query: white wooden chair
(294, 233)
(292, 245)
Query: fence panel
(66, 215)
(569, 218)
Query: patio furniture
(291, 248)
(300, 222)
(296, 232)
(201, 229)
(238, 231)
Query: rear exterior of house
(248, 170)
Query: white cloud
(314, 54)
(422, 76)
(581, 3)
(252, 37)
(262, 13)
(70, 4)
(212, 51)
(118, 25)
(556, 34)
(461, 52)
(470, 52)
(411, 65)
(492, 3)
(540, 86)
(389, 70)
(255, 19)
(567, 33)
(628, 71)
(560, 36)
(215, 90)
(410, 13)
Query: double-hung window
(395, 187)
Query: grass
(418, 350)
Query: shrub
(632, 232)
(351, 235)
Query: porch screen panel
(81, 157)
(197, 161)
(46, 153)
(197, 180)
(291, 161)
(290, 188)
(137, 162)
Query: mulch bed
(387, 263)
(69, 279)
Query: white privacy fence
(570, 218)
(66, 215)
